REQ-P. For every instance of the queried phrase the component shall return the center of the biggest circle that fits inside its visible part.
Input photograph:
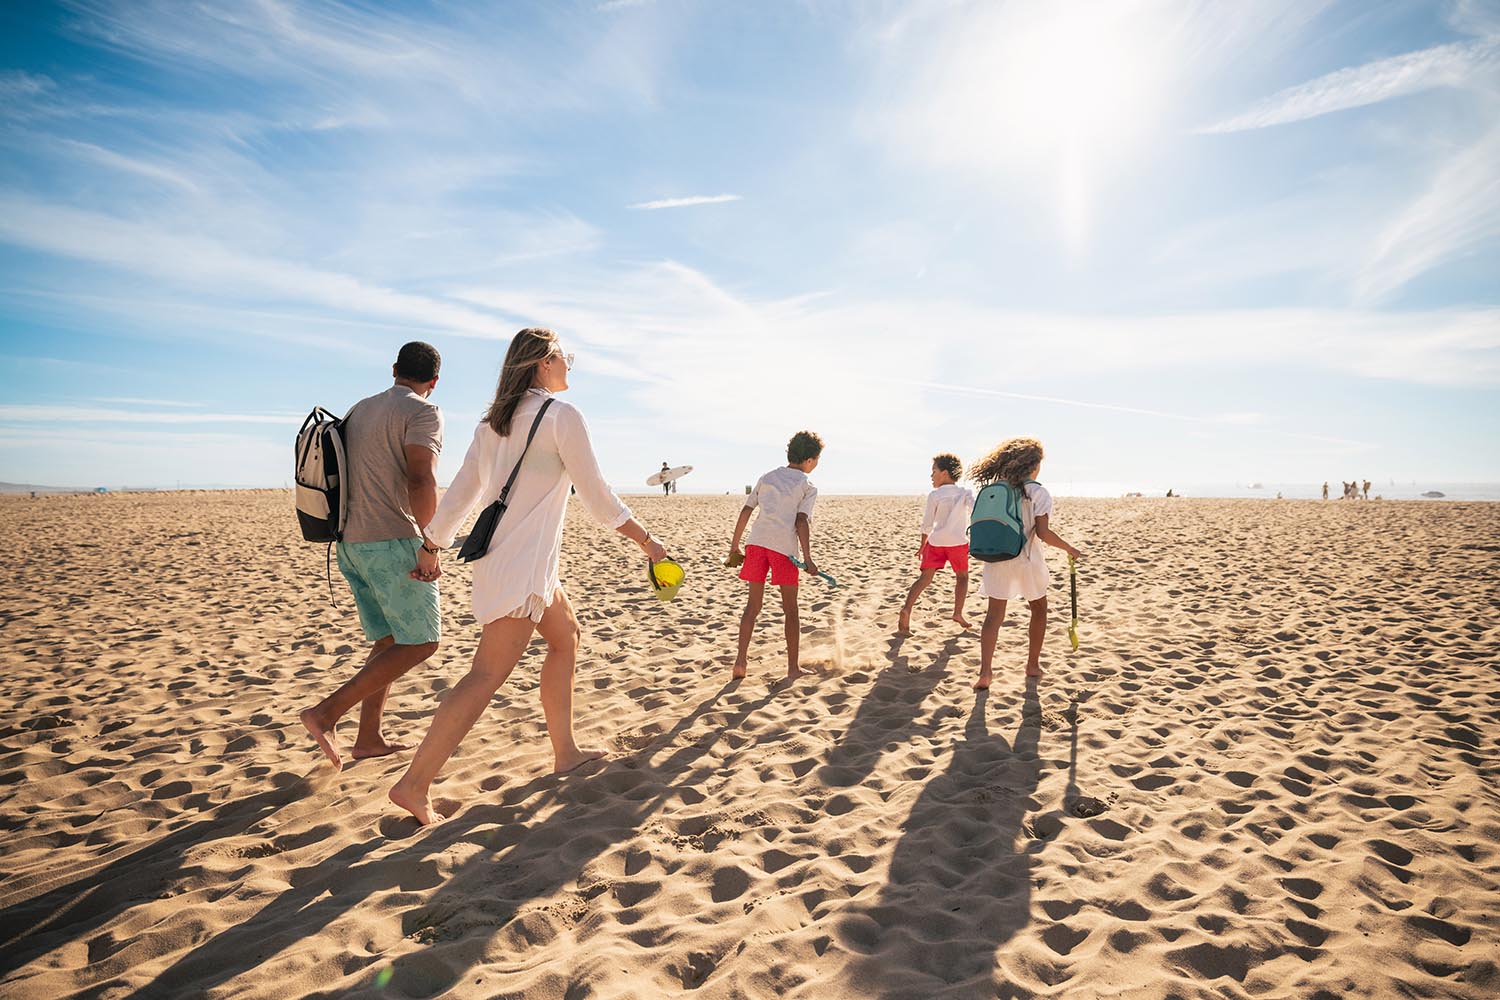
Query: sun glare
(1063, 93)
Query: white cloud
(1458, 64)
(1457, 214)
(180, 259)
(29, 413)
(134, 401)
(697, 199)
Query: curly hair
(802, 446)
(949, 463)
(1014, 461)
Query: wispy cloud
(134, 401)
(688, 202)
(20, 412)
(1456, 215)
(1454, 65)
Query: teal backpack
(996, 531)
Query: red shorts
(937, 556)
(759, 559)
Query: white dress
(1026, 575)
(518, 576)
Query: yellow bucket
(666, 578)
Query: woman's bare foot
(419, 806)
(323, 737)
(380, 749)
(958, 616)
(577, 758)
(983, 683)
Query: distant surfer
(667, 485)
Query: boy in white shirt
(945, 537)
(785, 497)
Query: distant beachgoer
(517, 590)
(1325, 489)
(666, 485)
(785, 497)
(1367, 489)
(392, 441)
(945, 537)
(1016, 461)
(1169, 491)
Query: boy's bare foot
(739, 670)
(983, 683)
(323, 737)
(903, 625)
(381, 749)
(579, 757)
(958, 616)
(418, 805)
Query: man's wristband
(430, 551)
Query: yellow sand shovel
(1073, 593)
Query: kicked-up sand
(1269, 770)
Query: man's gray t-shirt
(375, 438)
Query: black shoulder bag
(478, 542)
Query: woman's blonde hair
(527, 350)
(1014, 461)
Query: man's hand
(735, 557)
(810, 566)
(428, 569)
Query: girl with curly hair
(1018, 461)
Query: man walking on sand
(391, 442)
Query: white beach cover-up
(1026, 575)
(519, 574)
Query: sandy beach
(1268, 771)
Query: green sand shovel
(799, 564)
(1073, 593)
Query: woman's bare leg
(1035, 633)
(500, 647)
(989, 634)
(559, 627)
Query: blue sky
(1178, 242)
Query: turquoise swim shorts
(390, 602)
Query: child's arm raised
(1052, 538)
(804, 535)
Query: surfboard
(669, 475)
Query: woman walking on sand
(516, 585)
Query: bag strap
(517, 470)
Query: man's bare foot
(419, 806)
(739, 670)
(903, 625)
(958, 616)
(380, 749)
(983, 684)
(579, 757)
(792, 673)
(1033, 670)
(323, 737)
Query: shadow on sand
(958, 886)
(516, 864)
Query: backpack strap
(517, 470)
